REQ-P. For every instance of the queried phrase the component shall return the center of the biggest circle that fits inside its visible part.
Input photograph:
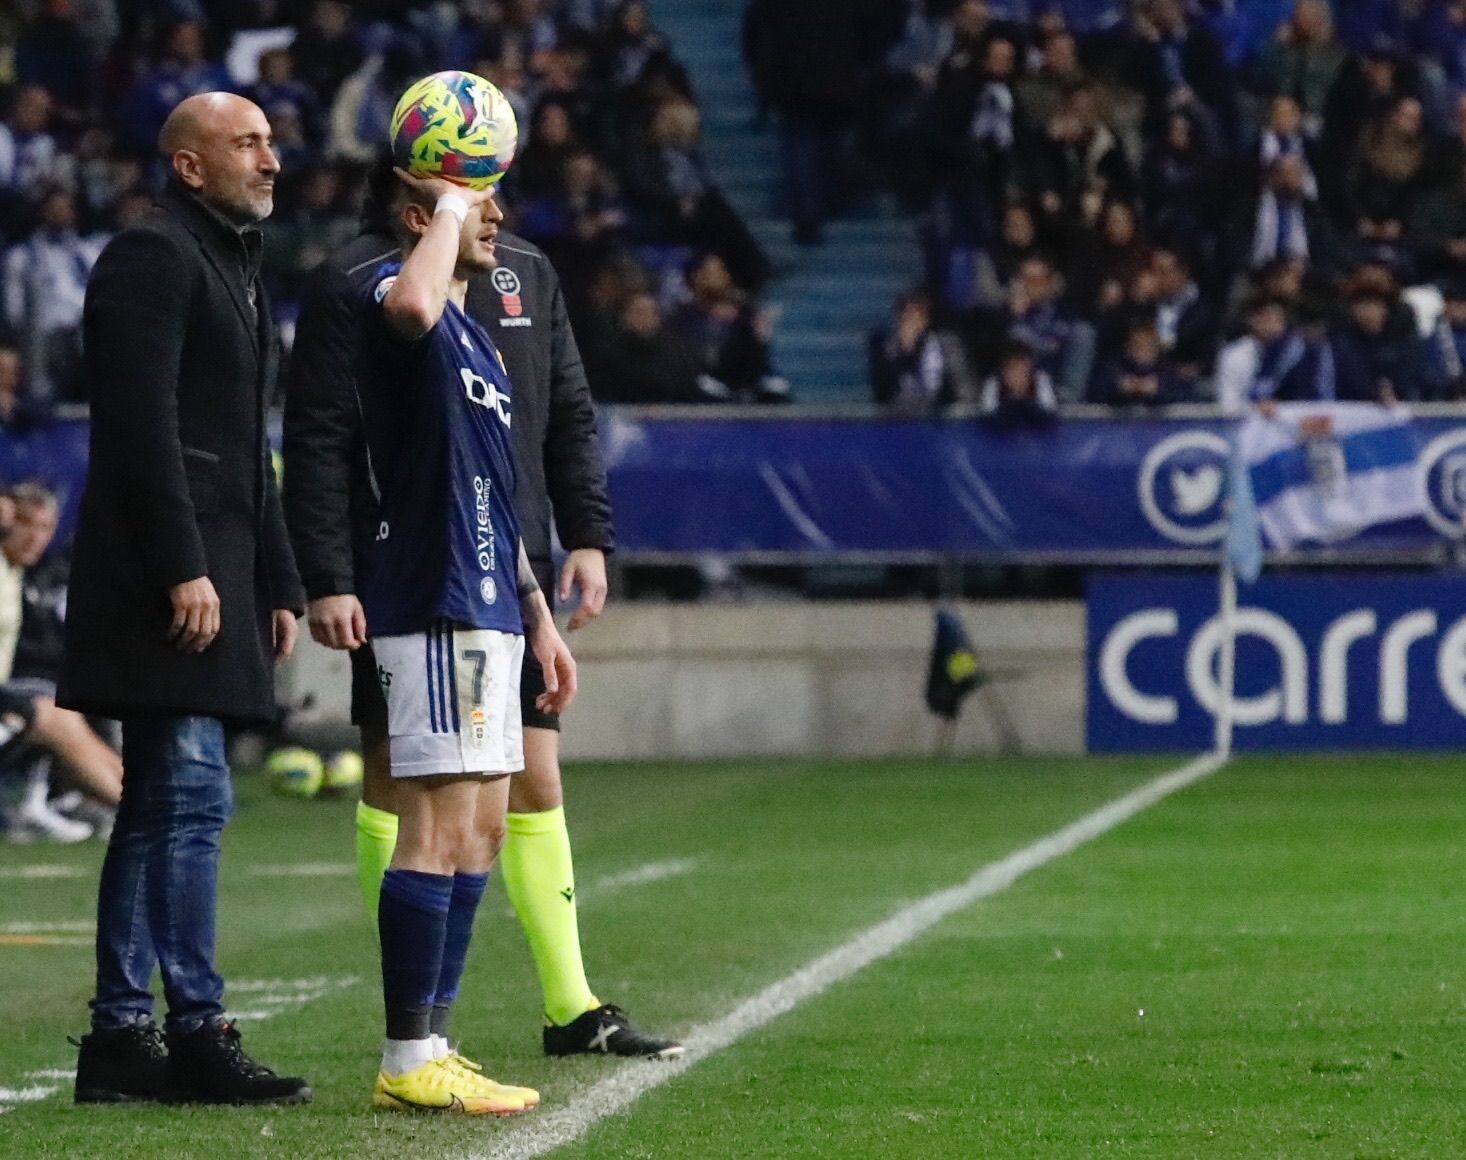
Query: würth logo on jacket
(506, 282)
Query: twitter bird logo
(1193, 492)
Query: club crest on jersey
(488, 590)
(506, 282)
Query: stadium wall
(676, 681)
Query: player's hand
(585, 568)
(338, 621)
(284, 633)
(436, 187)
(195, 615)
(554, 656)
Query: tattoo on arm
(527, 584)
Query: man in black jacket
(183, 595)
(330, 491)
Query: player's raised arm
(439, 212)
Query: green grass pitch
(1269, 964)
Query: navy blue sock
(468, 890)
(412, 916)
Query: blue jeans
(160, 878)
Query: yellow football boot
(529, 1097)
(436, 1088)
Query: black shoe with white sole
(122, 1065)
(606, 1030)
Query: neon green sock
(376, 838)
(540, 881)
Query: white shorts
(452, 700)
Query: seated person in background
(14, 412)
(1445, 352)
(732, 335)
(643, 363)
(1019, 392)
(1272, 362)
(1375, 361)
(1140, 375)
(32, 605)
(1061, 345)
(908, 367)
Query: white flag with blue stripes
(1323, 472)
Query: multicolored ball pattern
(457, 126)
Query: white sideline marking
(77, 926)
(27, 1095)
(45, 870)
(272, 996)
(52, 1073)
(640, 875)
(306, 870)
(619, 1090)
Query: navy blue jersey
(447, 547)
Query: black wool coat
(180, 482)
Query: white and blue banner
(1323, 472)
(1338, 660)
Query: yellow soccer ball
(457, 126)
(296, 772)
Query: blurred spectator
(1181, 178)
(1079, 153)
(538, 169)
(1303, 61)
(327, 51)
(45, 280)
(1178, 63)
(977, 126)
(1272, 362)
(629, 44)
(1285, 222)
(1437, 225)
(281, 95)
(1445, 369)
(733, 338)
(1390, 170)
(908, 367)
(1044, 90)
(1284, 136)
(813, 63)
(1375, 360)
(181, 69)
(677, 202)
(646, 364)
(12, 388)
(361, 114)
(1185, 321)
(1017, 240)
(29, 155)
(1141, 375)
(1107, 255)
(1060, 345)
(1019, 393)
(53, 53)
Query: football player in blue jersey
(451, 602)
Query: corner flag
(954, 671)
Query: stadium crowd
(661, 276)
(1153, 202)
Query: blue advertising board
(1085, 488)
(1080, 488)
(1324, 661)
